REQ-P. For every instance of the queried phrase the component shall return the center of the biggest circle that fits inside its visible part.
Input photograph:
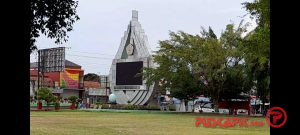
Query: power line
(91, 63)
(90, 57)
(91, 53)
(94, 64)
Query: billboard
(51, 59)
(69, 78)
(126, 73)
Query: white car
(224, 111)
(204, 109)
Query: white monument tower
(133, 54)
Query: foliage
(132, 107)
(191, 65)
(73, 99)
(45, 94)
(91, 77)
(53, 18)
(57, 101)
(260, 10)
(129, 107)
(257, 47)
(176, 69)
(222, 68)
(99, 103)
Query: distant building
(65, 84)
(96, 91)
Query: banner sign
(69, 79)
(97, 92)
(57, 91)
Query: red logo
(211, 122)
(277, 115)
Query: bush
(72, 99)
(153, 107)
(129, 107)
(45, 94)
(105, 106)
(100, 103)
(132, 107)
(172, 108)
(56, 101)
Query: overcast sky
(97, 35)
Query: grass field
(132, 123)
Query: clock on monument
(129, 49)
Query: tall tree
(53, 18)
(221, 64)
(176, 69)
(257, 45)
(191, 65)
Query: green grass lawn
(132, 123)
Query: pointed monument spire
(133, 48)
(134, 15)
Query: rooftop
(68, 64)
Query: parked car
(242, 111)
(203, 109)
(223, 111)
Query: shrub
(72, 99)
(129, 107)
(153, 107)
(56, 101)
(105, 106)
(45, 94)
(172, 108)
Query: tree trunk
(215, 105)
(56, 107)
(193, 106)
(264, 109)
(186, 105)
(47, 105)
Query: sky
(96, 37)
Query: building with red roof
(66, 83)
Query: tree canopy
(257, 47)
(190, 65)
(91, 77)
(53, 18)
(221, 68)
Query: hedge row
(135, 107)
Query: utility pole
(100, 84)
(106, 88)
(38, 70)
